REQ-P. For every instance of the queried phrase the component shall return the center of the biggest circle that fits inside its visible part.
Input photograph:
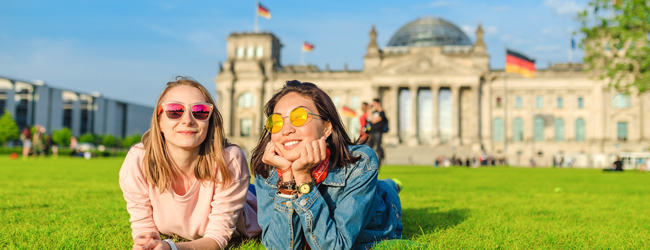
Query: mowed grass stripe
(70, 203)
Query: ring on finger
(316, 147)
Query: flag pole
(302, 54)
(571, 50)
(505, 104)
(257, 16)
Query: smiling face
(290, 140)
(185, 133)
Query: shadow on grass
(422, 221)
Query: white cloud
(563, 7)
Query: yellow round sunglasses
(298, 117)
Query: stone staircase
(425, 154)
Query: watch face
(305, 188)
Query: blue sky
(128, 50)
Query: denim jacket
(350, 209)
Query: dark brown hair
(337, 142)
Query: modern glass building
(36, 103)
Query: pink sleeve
(228, 201)
(135, 189)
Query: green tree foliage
(109, 140)
(128, 141)
(616, 42)
(62, 137)
(8, 129)
(87, 137)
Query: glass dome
(427, 32)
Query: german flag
(345, 111)
(263, 11)
(518, 63)
(307, 47)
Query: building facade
(442, 99)
(36, 103)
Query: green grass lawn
(69, 203)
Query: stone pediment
(435, 64)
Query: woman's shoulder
(235, 160)
(132, 164)
(368, 158)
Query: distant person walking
(363, 121)
(26, 138)
(378, 125)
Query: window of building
(580, 129)
(354, 102)
(245, 127)
(539, 102)
(621, 131)
(621, 100)
(560, 102)
(518, 102)
(538, 133)
(498, 102)
(518, 130)
(335, 100)
(559, 129)
(245, 100)
(249, 51)
(581, 102)
(240, 51)
(259, 52)
(497, 130)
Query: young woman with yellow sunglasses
(314, 185)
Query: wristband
(284, 171)
(171, 244)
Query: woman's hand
(310, 156)
(272, 156)
(148, 241)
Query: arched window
(245, 127)
(621, 100)
(538, 133)
(245, 100)
(580, 129)
(240, 51)
(259, 51)
(497, 129)
(249, 51)
(559, 129)
(518, 130)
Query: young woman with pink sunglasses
(185, 179)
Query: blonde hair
(158, 166)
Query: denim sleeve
(352, 213)
(281, 228)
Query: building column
(392, 137)
(455, 124)
(226, 111)
(413, 128)
(476, 116)
(257, 123)
(435, 135)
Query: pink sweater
(204, 211)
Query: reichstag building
(442, 99)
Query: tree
(8, 129)
(87, 137)
(616, 42)
(109, 140)
(128, 141)
(62, 137)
